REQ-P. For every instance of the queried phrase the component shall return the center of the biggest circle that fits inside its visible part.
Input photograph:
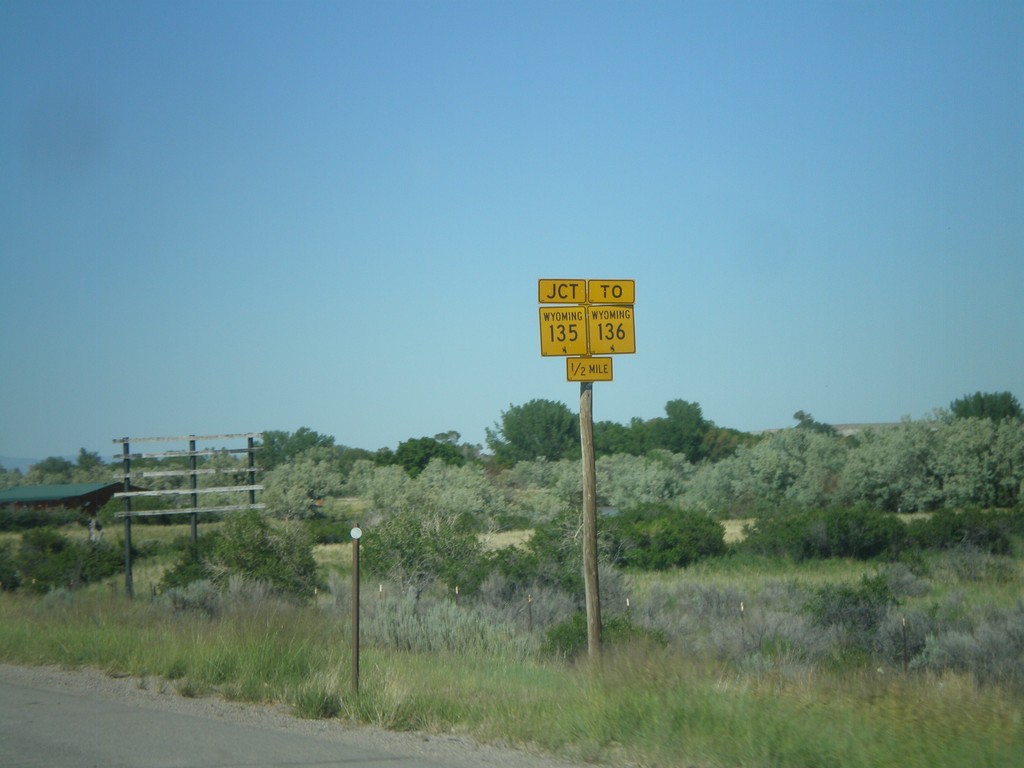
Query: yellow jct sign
(561, 291)
(563, 330)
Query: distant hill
(852, 429)
(843, 429)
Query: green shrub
(191, 565)
(657, 537)
(857, 610)
(555, 556)
(990, 646)
(779, 534)
(986, 531)
(974, 565)
(100, 560)
(515, 567)
(328, 531)
(417, 548)
(24, 519)
(250, 546)
(47, 560)
(200, 596)
(9, 576)
(861, 533)
(317, 700)
(569, 639)
(276, 553)
(512, 520)
(439, 625)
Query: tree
(721, 442)
(1008, 454)
(469, 451)
(987, 405)
(464, 491)
(295, 490)
(792, 466)
(965, 463)
(538, 429)
(53, 470)
(9, 478)
(980, 462)
(682, 430)
(451, 437)
(611, 438)
(624, 480)
(277, 553)
(416, 548)
(806, 421)
(414, 455)
(279, 447)
(894, 469)
(90, 467)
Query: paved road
(46, 727)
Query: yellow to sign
(563, 330)
(611, 330)
(588, 369)
(611, 291)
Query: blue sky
(237, 216)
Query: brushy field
(754, 686)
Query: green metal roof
(39, 494)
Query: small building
(88, 497)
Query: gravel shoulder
(151, 693)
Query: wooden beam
(186, 438)
(190, 511)
(180, 454)
(188, 472)
(188, 491)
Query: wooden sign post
(590, 582)
(590, 317)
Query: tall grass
(644, 705)
(252, 653)
(760, 687)
(659, 708)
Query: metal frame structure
(193, 491)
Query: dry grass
(502, 539)
(734, 530)
(334, 557)
(345, 508)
